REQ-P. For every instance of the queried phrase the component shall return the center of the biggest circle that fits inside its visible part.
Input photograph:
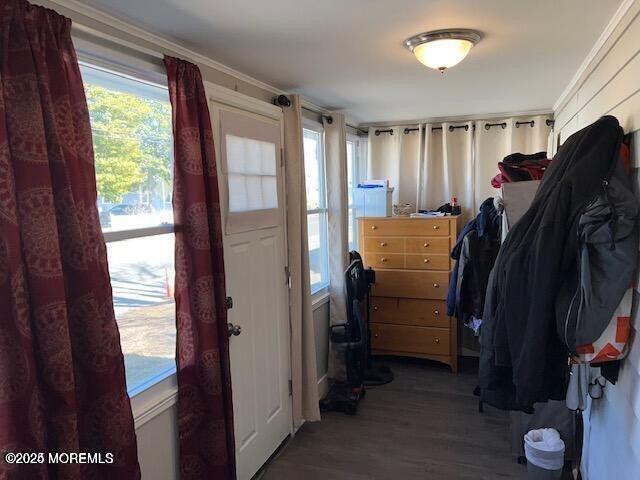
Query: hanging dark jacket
(483, 237)
(523, 360)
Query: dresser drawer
(400, 227)
(427, 262)
(384, 244)
(436, 245)
(385, 310)
(384, 260)
(409, 339)
(424, 313)
(411, 284)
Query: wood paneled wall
(610, 85)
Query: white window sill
(319, 298)
(151, 399)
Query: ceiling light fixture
(442, 49)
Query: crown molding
(164, 45)
(590, 61)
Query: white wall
(158, 446)
(321, 328)
(610, 84)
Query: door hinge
(287, 276)
(290, 388)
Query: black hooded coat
(523, 360)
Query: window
(352, 183)
(251, 165)
(316, 208)
(131, 127)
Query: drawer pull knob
(436, 227)
(426, 260)
(375, 308)
(436, 285)
(383, 244)
(436, 312)
(437, 340)
(376, 335)
(383, 259)
(425, 245)
(373, 227)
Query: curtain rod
(487, 126)
(328, 116)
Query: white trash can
(544, 450)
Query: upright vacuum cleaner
(375, 373)
(353, 340)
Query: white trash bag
(544, 450)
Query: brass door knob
(437, 340)
(426, 260)
(436, 285)
(383, 244)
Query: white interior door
(252, 199)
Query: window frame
(159, 391)
(323, 209)
(355, 179)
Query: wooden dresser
(412, 264)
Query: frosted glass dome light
(442, 49)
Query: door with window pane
(254, 249)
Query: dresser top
(400, 217)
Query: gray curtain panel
(335, 141)
(303, 347)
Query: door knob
(234, 330)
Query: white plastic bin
(544, 450)
(373, 200)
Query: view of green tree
(131, 146)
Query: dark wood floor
(423, 425)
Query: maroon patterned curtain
(62, 382)
(205, 409)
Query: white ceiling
(348, 54)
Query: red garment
(527, 170)
(62, 379)
(205, 409)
